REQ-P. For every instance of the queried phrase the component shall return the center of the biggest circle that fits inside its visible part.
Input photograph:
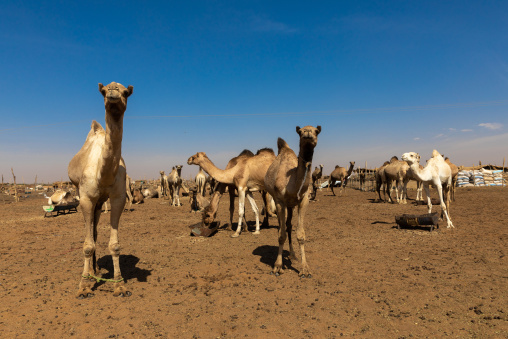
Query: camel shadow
(268, 255)
(251, 226)
(381, 222)
(127, 265)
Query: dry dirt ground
(370, 279)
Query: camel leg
(266, 203)
(444, 205)
(177, 195)
(429, 201)
(86, 283)
(300, 235)
(231, 190)
(106, 206)
(281, 214)
(289, 228)
(129, 198)
(255, 209)
(388, 189)
(330, 184)
(241, 211)
(117, 206)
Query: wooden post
(16, 198)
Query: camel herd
(285, 180)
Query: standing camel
(175, 183)
(247, 175)
(287, 180)
(316, 175)
(164, 185)
(395, 171)
(98, 171)
(438, 173)
(340, 174)
(379, 174)
(201, 182)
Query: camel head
(115, 97)
(411, 157)
(161, 173)
(308, 135)
(321, 166)
(197, 158)
(179, 169)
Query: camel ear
(318, 130)
(298, 130)
(130, 89)
(102, 90)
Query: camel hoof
(235, 235)
(256, 233)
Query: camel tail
(281, 144)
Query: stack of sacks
(488, 177)
(464, 179)
(478, 178)
(498, 178)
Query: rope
(101, 279)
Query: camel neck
(112, 149)
(223, 176)
(303, 173)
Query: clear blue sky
(381, 78)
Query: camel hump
(435, 153)
(281, 144)
(96, 127)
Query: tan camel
(316, 175)
(436, 172)
(197, 201)
(217, 189)
(395, 171)
(340, 174)
(60, 197)
(287, 180)
(247, 175)
(164, 185)
(201, 181)
(150, 192)
(98, 171)
(379, 174)
(175, 183)
(137, 196)
(455, 175)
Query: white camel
(436, 172)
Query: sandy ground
(370, 279)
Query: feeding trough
(202, 230)
(413, 220)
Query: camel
(149, 193)
(287, 180)
(175, 183)
(379, 180)
(137, 196)
(436, 172)
(217, 189)
(98, 171)
(316, 175)
(201, 181)
(198, 201)
(396, 171)
(340, 174)
(455, 175)
(60, 197)
(164, 185)
(247, 175)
